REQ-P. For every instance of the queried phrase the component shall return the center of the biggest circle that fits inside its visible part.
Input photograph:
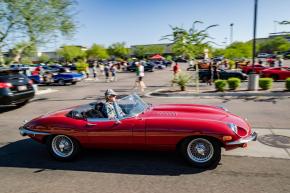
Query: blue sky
(146, 21)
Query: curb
(156, 93)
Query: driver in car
(111, 108)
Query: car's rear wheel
(61, 82)
(22, 103)
(62, 147)
(201, 151)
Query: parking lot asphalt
(25, 165)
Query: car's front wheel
(62, 147)
(201, 151)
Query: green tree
(37, 21)
(21, 50)
(118, 50)
(44, 58)
(274, 45)
(140, 52)
(26, 60)
(154, 49)
(71, 53)
(238, 50)
(189, 43)
(218, 52)
(97, 52)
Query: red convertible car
(257, 68)
(197, 131)
(277, 73)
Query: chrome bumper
(23, 131)
(252, 137)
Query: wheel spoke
(62, 146)
(200, 150)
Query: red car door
(109, 133)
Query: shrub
(81, 66)
(220, 85)
(265, 83)
(182, 79)
(234, 83)
(287, 84)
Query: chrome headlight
(233, 127)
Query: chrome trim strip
(25, 132)
(252, 137)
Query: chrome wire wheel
(62, 146)
(200, 150)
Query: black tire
(275, 77)
(61, 82)
(74, 83)
(205, 143)
(53, 144)
(22, 103)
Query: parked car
(204, 75)
(15, 88)
(62, 79)
(263, 55)
(71, 67)
(158, 64)
(149, 67)
(180, 59)
(256, 69)
(17, 66)
(286, 55)
(58, 68)
(197, 131)
(277, 73)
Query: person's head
(137, 63)
(110, 95)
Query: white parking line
(46, 91)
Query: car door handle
(91, 124)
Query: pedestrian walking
(140, 75)
(107, 72)
(113, 70)
(102, 68)
(95, 70)
(280, 61)
(215, 73)
(210, 74)
(87, 71)
(176, 70)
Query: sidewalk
(271, 143)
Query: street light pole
(254, 34)
(254, 78)
(231, 32)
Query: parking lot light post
(231, 32)
(254, 78)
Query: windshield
(132, 105)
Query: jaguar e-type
(197, 131)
